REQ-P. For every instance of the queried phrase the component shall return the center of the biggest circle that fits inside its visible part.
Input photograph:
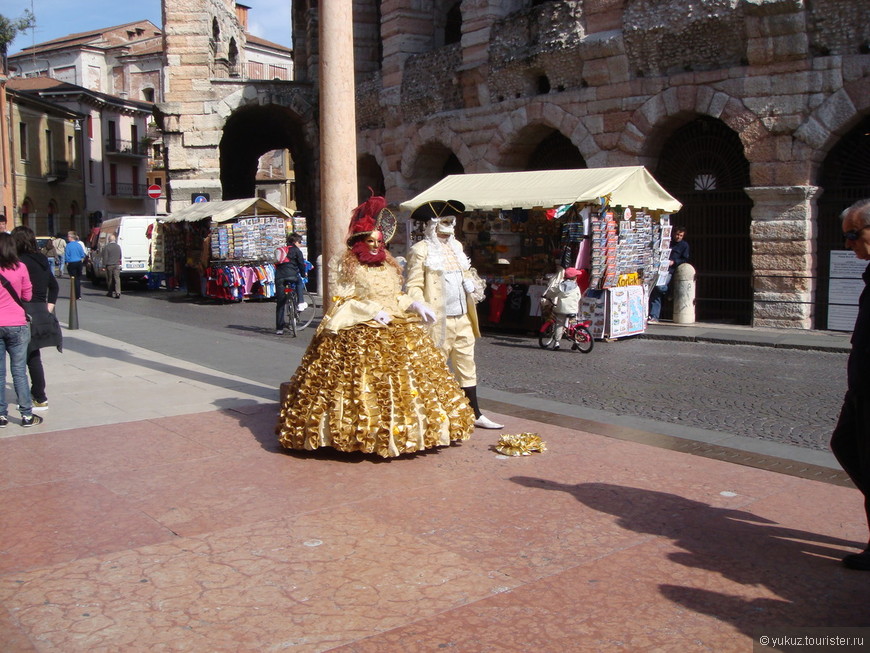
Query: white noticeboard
(844, 288)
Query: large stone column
(337, 127)
(783, 255)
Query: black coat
(44, 327)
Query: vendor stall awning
(227, 210)
(626, 186)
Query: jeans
(655, 301)
(14, 340)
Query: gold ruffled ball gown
(364, 386)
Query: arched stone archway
(432, 163)
(424, 146)
(517, 136)
(702, 164)
(253, 130)
(656, 120)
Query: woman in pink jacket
(15, 287)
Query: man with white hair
(439, 274)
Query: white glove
(468, 284)
(426, 314)
(383, 317)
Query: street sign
(154, 191)
(200, 198)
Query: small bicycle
(299, 319)
(576, 331)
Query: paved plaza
(154, 511)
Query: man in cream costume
(438, 273)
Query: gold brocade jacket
(372, 289)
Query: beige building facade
(754, 113)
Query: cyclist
(566, 302)
(289, 269)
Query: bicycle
(577, 331)
(299, 319)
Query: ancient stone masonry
(618, 80)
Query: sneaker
(40, 405)
(556, 346)
(301, 306)
(33, 420)
(653, 320)
(483, 422)
(279, 332)
(4, 421)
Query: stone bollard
(683, 288)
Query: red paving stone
(196, 533)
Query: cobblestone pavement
(783, 395)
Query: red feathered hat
(365, 218)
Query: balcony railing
(119, 189)
(58, 172)
(131, 148)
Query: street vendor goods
(372, 380)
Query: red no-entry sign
(154, 191)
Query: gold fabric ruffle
(378, 389)
(523, 444)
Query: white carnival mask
(445, 225)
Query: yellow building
(45, 148)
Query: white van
(133, 233)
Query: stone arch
(653, 122)
(254, 129)
(508, 148)
(831, 120)
(424, 139)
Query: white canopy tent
(626, 186)
(227, 210)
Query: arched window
(453, 24)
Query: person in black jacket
(679, 255)
(850, 441)
(289, 268)
(44, 327)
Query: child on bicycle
(289, 269)
(565, 297)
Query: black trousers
(281, 298)
(75, 270)
(851, 443)
(37, 375)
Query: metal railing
(133, 148)
(119, 189)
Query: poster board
(844, 288)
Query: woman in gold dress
(372, 380)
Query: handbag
(45, 330)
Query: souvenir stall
(224, 250)
(522, 229)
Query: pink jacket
(11, 314)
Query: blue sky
(268, 19)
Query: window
(49, 151)
(453, 24)
(71, 151)
(22, 139)
(277, 72)
(90, 126)
(148, 94)
(91, 170)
